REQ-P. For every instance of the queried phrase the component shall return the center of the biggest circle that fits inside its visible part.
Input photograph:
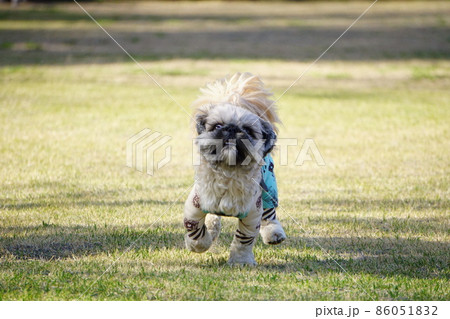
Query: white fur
(241, 255)
(227, 191)
(272, 232)
(198, 246)
(213, 225)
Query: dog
(236, 132)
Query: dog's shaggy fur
(237, 112)
(242, 89)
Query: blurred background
(59, 32)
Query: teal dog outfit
(269, 184)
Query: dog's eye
(248, 131)
(218, 126)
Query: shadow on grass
(57, 242)
(384, 256)
(70, 196)
(87, 203)
(396, 247)
(51, 13)
(394, 225)
(386, 204)
(71, 47)
(292, 40)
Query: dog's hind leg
(272, 232)
(198, 238)
(213, 225)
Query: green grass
(77, 224)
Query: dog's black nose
(231, 130)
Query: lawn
(77, 224)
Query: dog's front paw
(200, 245)
(242, 260)
(272, 232)
(241, 255)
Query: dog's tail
(241, 89)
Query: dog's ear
(269, 136)
(200, 121)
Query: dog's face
(231, 135)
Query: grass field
(77, 224)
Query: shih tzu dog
(235, 123)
